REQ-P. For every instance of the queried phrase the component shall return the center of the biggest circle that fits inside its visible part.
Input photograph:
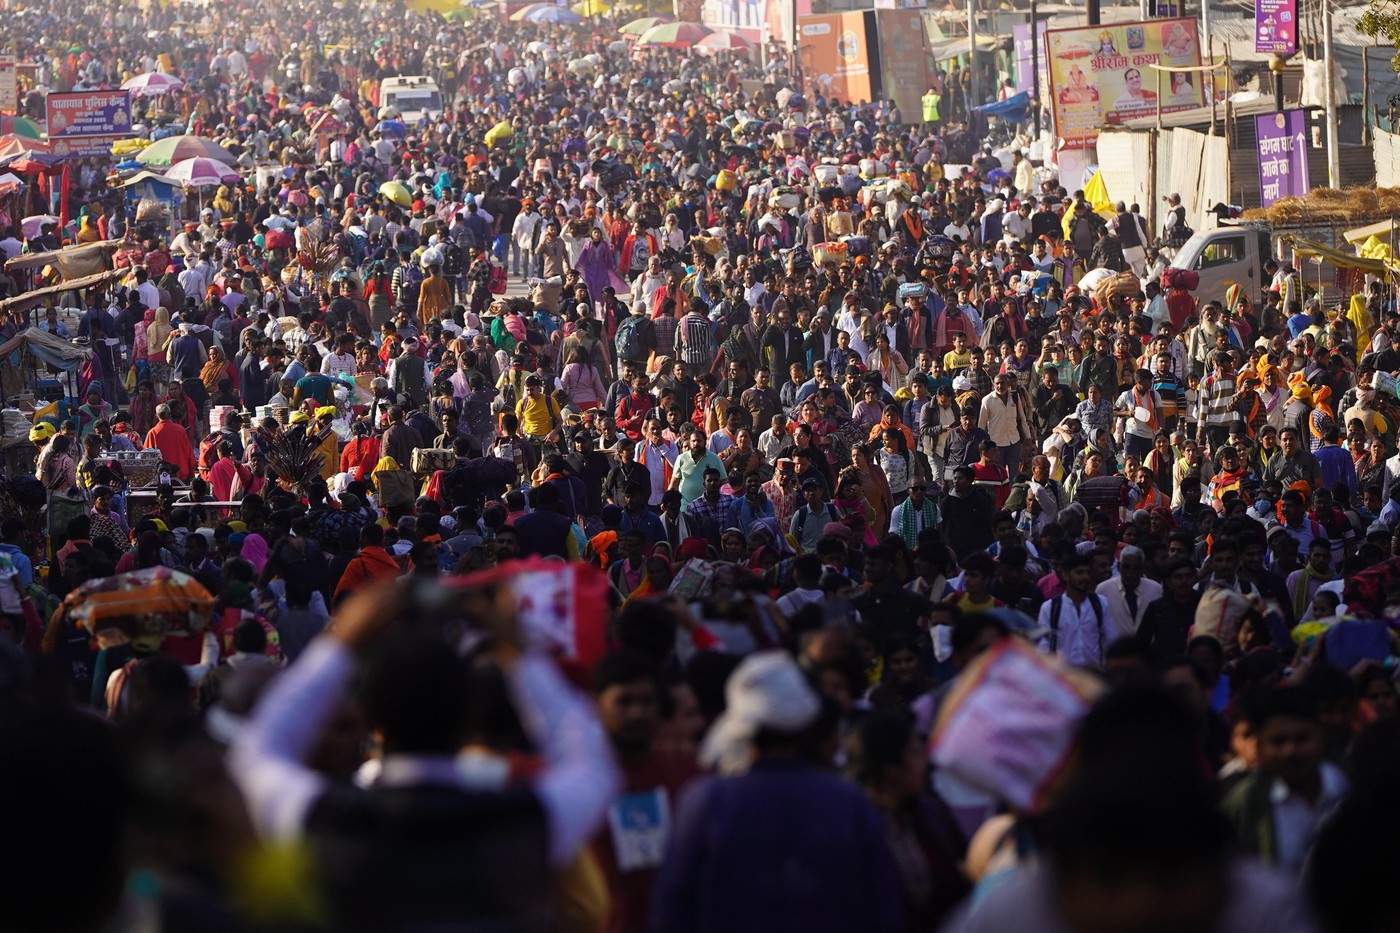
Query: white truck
(1225, 256)
(1234, 254)
(413, 96)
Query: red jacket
(370, 564)
(174, 445)
(360, 456)
(631, 412)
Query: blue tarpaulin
(1014, 108)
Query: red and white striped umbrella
(200, 172)
(723, 42)
(152, 84)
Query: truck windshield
(1189, 252)
(416, 100)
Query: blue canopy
(1013, 109)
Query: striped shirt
(695, 341)
(1172, 393)
(1216, 401)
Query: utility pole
(1205, 25)
(972, 99)
(1334, 159)
(1035, 69)
(1091, 12)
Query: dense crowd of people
(815, 419)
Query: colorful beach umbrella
(639, 26)
(174, 149)
(548, 13)
(674, 35)
(152, 84)
(200, 172)
(519, 15)
(723, 42)
(22, 127)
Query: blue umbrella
(392, 128)
(558, 15)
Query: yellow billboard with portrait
(1102, 75)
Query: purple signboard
(88, 113)
(1025, 75)
(1276, 27)
(1282, 144)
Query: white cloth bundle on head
(766, 691)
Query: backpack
(803, 512)
(452, 259)
(1055, 609)
(409, 284)
(628, 341)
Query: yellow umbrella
(592, 8)
(397, 192)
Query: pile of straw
(1331, 206)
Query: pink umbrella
(723, 42)
(152, 84)
(200, 172)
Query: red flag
(563, 607)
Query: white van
(413, 96)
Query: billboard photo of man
(1134, 96)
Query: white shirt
(998, 419)
(1129, 400)
(523, 231)
(336, 364)
(1118, 620)
(1078, 637)
(655, 457)
(1019, 227)
(954, 230)
(150, 295)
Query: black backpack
(629, 338)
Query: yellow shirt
(954, 360)
(966, 604)
(537, 415)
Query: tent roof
(37, 296)
(55, 351)
(1362, 234)
(147, 175)
(39, 260)
(1308, 249)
